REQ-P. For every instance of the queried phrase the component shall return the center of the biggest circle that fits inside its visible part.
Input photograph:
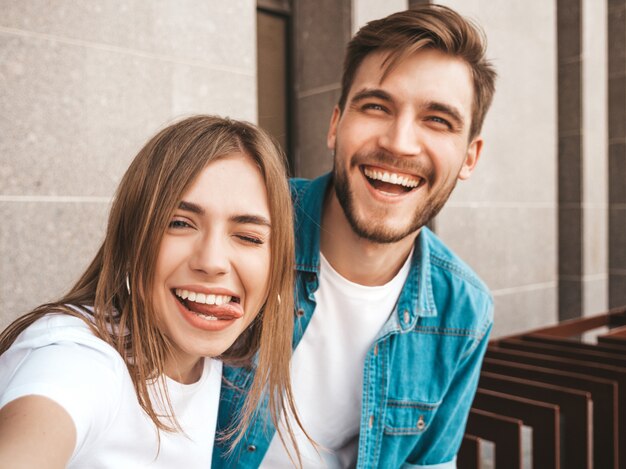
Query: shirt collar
(416, 299)
(308, 205)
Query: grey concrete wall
(617, 152)
(503, 220)
(83, 86)
(583, 157)
(364, 11)
(321, 31)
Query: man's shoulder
(456, 284)
(444, 258)
(298, 183)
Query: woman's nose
(211, 255)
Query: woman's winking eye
(252, 239)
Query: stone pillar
(617, 152)
(414, 3)
(582, 177)
(321, 31)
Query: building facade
(542, 220)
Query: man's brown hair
(425, 27)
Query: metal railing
(549, 398)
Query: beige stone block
(595, 239)
(518, 163)
(524, 309)
(595, 295)
(44, 250)
(75, 116)
(364, 11)
(509, 247)
(217, 33)
(595, 105)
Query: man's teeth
(392, 178)
(203, 298)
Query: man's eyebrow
(371, 93)
(253, 219)
(191, 207)
(451, 111)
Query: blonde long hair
(148, 194)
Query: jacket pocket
(408, 417)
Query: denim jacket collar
(416, 298)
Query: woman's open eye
(178, 224)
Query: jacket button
(420, 423)
(300, 312)
(251, 448)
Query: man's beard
(376, 231)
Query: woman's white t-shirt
(59, 357)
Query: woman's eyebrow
(250, 218)
(246, 218)
(191, 207)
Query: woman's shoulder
(59, 326)
(67, 334)
(60, 358)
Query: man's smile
(390, 182)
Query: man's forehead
(431, 71)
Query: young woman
(197, 262)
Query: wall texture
(83, 86)
(321, 30)
(502, 221)
(617, 152)
(594, 127)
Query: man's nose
(401, 137)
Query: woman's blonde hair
(145, 200)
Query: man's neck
(355, 258)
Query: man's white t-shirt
(58, 357)
(327, 367)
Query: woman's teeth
(202, 298)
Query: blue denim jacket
(421, 372)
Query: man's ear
(331, 138)
(471, 158)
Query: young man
(390, 326)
